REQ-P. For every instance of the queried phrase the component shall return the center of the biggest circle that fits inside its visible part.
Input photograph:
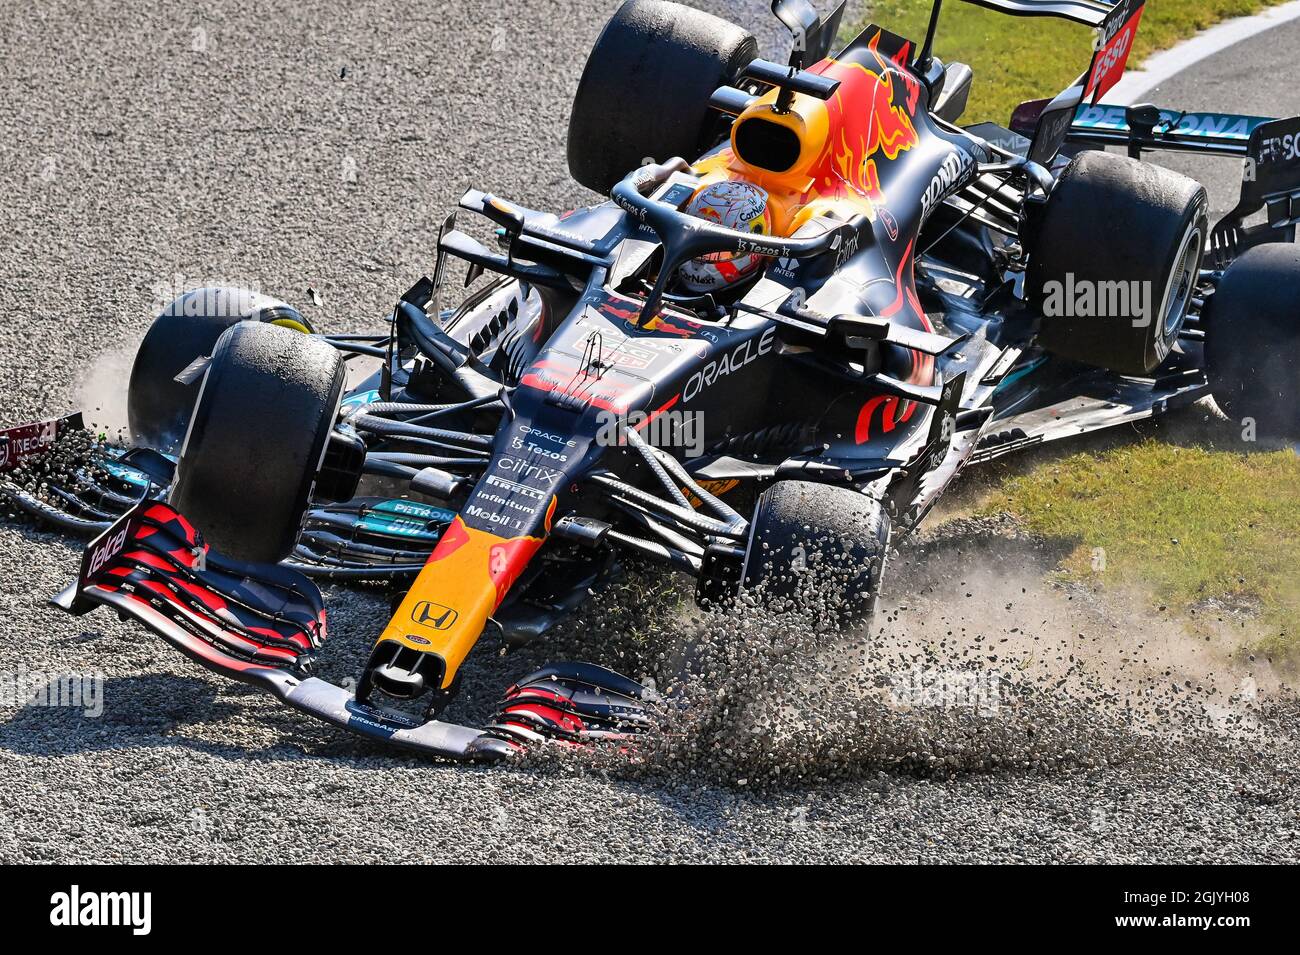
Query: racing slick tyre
(1116, 233)
(158, 406)
(645, 90)
(1252, 339)
(816, 547)
(256, 439)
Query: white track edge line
(1167, 64)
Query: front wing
(257, 624)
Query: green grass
(1189, 524)
(1017, 59)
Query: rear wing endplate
(1116, 24)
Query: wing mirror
(812, 35)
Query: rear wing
(1090, 13)
(1116, 23)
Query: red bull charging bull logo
(867, 118)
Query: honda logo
(434, 616)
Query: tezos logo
(76, 908)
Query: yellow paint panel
(465, 580)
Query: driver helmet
(732, 204)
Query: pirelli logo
(434, 616)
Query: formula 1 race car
(761, 361)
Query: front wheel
(256, 439)
(159, 406)
(817, 548)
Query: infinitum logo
(76, 908)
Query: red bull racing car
(811, 298)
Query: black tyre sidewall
(158, 406)
(256, 438)
(837, 528)
(645, 90)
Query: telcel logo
(434, 616)
(106, 551)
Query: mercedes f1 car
(810, 300)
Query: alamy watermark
(979, 690)
(667, 429)
(80, 691)
(1084, 298)
(133, 910)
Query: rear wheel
(645, 90)
(256, 439)
(817, 547)
(1114, 261)
(1252, 340)
(159, 406)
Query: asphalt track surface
(149, 147)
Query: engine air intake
(767, 145)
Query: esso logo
(1113, 55)
(1280, 148)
